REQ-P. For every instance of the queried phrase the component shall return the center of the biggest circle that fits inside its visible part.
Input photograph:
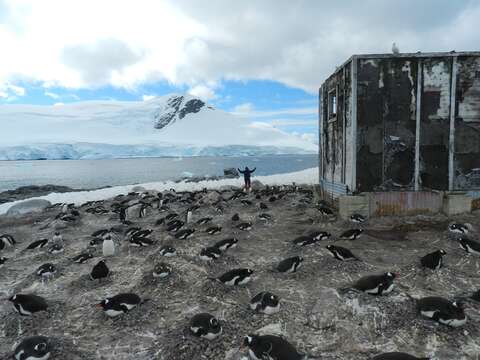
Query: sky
(264, 59)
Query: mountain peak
(176, 108)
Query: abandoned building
(401, 122)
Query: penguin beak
(98, 306)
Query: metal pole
(418, 116)
(451, 142)
(353, 181)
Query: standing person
(246, 177)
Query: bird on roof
(395, 49)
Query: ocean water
(91, 174)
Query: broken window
(332, 103)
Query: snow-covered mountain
(173, 125)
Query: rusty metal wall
(405, 202)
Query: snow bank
(308, 176)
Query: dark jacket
(247, 172)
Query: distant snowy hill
(173, 125)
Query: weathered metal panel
(434, 126)
(405, 203)
(466, 162)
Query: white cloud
(147, 97)
(58, 104)
(10, 92)
(203, 92)
(52, 95)
(92, 43)
(243, 109)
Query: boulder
(28, 206)
(230, 173)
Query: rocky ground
(25, 192)
(316, 317)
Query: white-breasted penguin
(184, 234)
(119, 304)
(108, 247)
(245, 226)
(33, 348)
(235, 277)
(38, 244)
(6, 240)
(266, 303)
(3, 260)
(376, 284)
(352, 234)
(290, 265)
(161, 270)
(433, 260)
(470, 246)
(225, 244)
(46, 270)
(341, 253)
(210, 253)
(271, 347)
(82, 258)
(458, 228)
(27, 304)
(444, 311)
(214, 230)
(205, 326)
(167, 251)
(357, 218)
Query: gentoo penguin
(246, 202)
(351, 234)
(325, 211)
(205, 326)
(175, 225)
(167, 251)
(357, 218)
(142, 233)
(265, 302)
(82, 258)
(226, 244)
(33, 348)
(161, 270)
(131, 231)
(204, 220)
(119, 304)
(272, 198)
(213, 230)
(263, 206)
(57, 239)
(265, 217)
(245, 226)
(235, 217)
(470, 246)
(270, 347)
(99, 271)
(319, 235)
(398, 356)
(140, 241)
(6, 240)
(210, 253)
(27, 304)
(290, 265)
(235, 277)
(341, 253)
(444, 311)
(171, 216)
(95, 242)
(458, 228)
(55, 249)
(304, 240)
(433, 260)
(376, 284)
(100, 233)
(46, 270)
(3, 261)
(188, 217)
(37, 244)
(108, 248)
(184, 234)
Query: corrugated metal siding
(405, 202)
(333, 189)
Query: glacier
(172, 125)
